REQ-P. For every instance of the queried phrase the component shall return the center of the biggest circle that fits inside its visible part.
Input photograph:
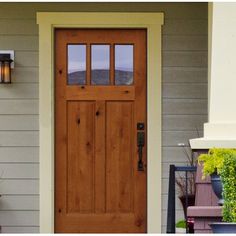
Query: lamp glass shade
(7, 72)
(1, 72)
(5, 68)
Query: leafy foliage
(213, 160)
(181, 224)
(223, 162)
(228, 177)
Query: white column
(220, 131)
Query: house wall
(184, 97)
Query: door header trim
(48, 21)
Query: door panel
(80, 159)
(98, 187)
(119, 133)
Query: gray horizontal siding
(184, 91)
(172, 138)
(19, 218)
(184, 106)
(19, 203)
(196, 27)
(19, 171)
(21, 91)
(175, 154)
(19, 229)
(184, 75)
(25, 75)
(19, 122)
(184, 98)
(185, 58)
(26, 59)
(183, 122)
(18, 27)
(19, 138)
(19, 107)
(184, 43)
(19, 186)
(19, 42)
(19, 154)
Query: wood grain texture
(100, 158)
(100, 190)
(119, 172)
(80, 162)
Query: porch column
(220, 131)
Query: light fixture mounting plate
(12, 55)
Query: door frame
(48, 21)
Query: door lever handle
(140, 144)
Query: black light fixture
(5, 66)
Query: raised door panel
(80, 159)
(119, 149)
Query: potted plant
(212, 166)
(220, 164)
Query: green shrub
(213, 160)
(223, 162)
(228, 177)
(181, 224)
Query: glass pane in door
(76, 69)
(124, 68)
(100, 64)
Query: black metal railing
(171, 218)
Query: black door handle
(140, 144)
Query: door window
(100, 64)
(76, 69)
(124, 67)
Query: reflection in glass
(100, 64)
(76, 64)
(124, 64)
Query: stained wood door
(100, 84)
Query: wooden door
(100, 79)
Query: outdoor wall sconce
(6, 64)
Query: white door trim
(48, 21)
